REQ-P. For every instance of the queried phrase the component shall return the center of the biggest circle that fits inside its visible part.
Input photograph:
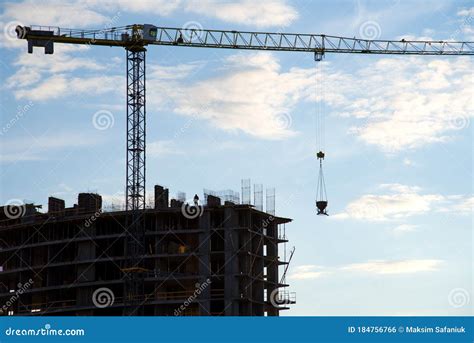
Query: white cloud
(402, 201)
(397, 201)
(157, 7)
(53, 13)
(53, 87)
(377, 267)
(252, 95)
(466, 12)
(410, 37)
(161, 148)
(108, 13)
(40, 77)
(404, 228)
(306, 272)
(61, 61)
(397, 187)
(64, 190)
(463, 205)
(247, 12)
(61, 85)
(65, 187)
(465, 25)
(398, 103)
(175, 72)
(411, 102)
(32, 68)
(384, 267)
(114, 202)
(31, 148)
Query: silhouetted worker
(196, 200)
(180, 39)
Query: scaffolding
(246, 192)
(258, 196)
(270, 205)
(181, 196)
(227, 195)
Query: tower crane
(135, 38)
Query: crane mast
(135, 176)
(134, 39)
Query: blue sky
(398, 136)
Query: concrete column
(272, 269)
(231, 279)
(204, 263)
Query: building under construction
(219, 258)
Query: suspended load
(321, 195)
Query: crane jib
(142, 35)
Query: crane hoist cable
(321, 194)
